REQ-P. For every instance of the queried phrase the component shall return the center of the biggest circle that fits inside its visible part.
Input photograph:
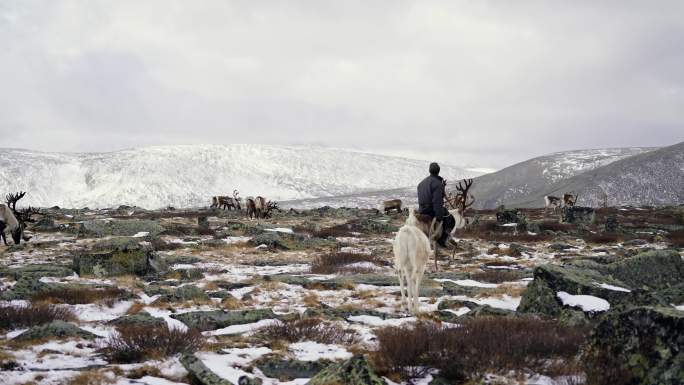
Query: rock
(643, 345)
(504, 216)
(344, 313)
(652, 278)
(217, 319)
(246, 380)
(199, 372)
(355, 371)
(476, 310)
(127, 228)
(560, 247)
(271, 239)
(288, 370)
(635, 242)
(37, 271)
(577, 214)
(139, 319)
(45, 224)
(203, 222)
(54, 329)
(186, 293)
(612, 225)
(119, 244)
(136, 262)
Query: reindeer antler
(235, 193)
(463, 187)
(26, 213)
(13, 198)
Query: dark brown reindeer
(569, 200)
(392, 204)
(226, 202)
(250, 206)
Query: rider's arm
(438, 202)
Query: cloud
(481, 83)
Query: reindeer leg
(402, 289)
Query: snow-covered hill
(183, 176)
(534, 177)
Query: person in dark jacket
(431, 202)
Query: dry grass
(495, 276)
(336, 263)
(80, 295)
(91, 377)
(135, 308)
(310, 329)
(603, 238)
(13, 317)
(480, 345)
(232, 303)
(136, 343)
(677, 238)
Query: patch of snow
(469, 283)
(461, 311)
(314, 351)
(244, 328)
(377, 321)
(611, 287)
(233, 240)
(281, 230)
(98, 312)
(680, 307)
(141, 234)
(585, 302)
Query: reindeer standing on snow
(411, 252)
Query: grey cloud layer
(478, 82)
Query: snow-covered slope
(183, 176)
(535, 177)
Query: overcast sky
(484, 83)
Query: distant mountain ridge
(525, 182)
(185, 176)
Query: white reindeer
(411, 252)
(9, 221)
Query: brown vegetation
(13, 317)
(78, 295)
(139, 343)
(478, 346)
(337, 263)
(310, 329)
(496, 276)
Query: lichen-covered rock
(271, 239)
(577, 214)
(344, 313)
(288, 370)
(136, 262)
(54, 329)
(216, 319)
(355, 371)
(126, 228)
(38, 271)
(643, 345)
(186, 293)
(651, 278)
(200, 372)
(119, 243)
(24, 288)
(45, 224)
(139, 319)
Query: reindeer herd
(257, 207)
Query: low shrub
(140, 343)
(496, 276)
(480, 345)
(338, 262)
(310, 329)
(602, 238)
(677, 238)
(78, 295)
(14, 317)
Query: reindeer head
(458, 203)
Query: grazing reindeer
(260, 206)
(392, 204)
(250, 205)
(569, 200)
(22, 217)
(226, 202)
(9, 221)
(551, 201)
(411, 252)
